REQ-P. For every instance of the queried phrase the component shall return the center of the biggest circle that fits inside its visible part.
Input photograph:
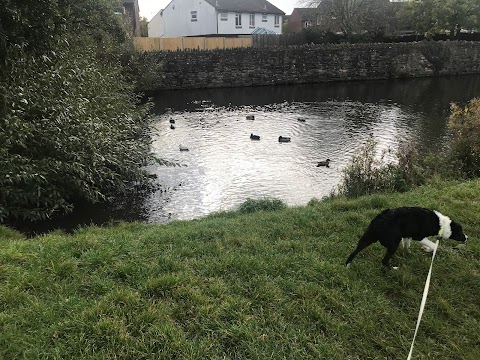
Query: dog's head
(457, 232)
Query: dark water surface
(223, 166)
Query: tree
(71, 128)
(352, 16)
(36, 24)
(439, 16)
(143, 27)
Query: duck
(172, 127)
(301, 119)
(325, 163)
(283, 139)
(172, 121)
(183, 148)
(250, 117)
(254, 137)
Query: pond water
(224, 167)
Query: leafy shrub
(71, 127)
(71, 130)
(265, 204)
(465, 123)
(144, 69)
(369, 173)
(408, 171)
(366, 173)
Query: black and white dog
(394, 225)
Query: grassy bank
(256, 286)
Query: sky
(148, 8)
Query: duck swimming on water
(283, 139)
(325, 163)
(254, 137)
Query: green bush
(71, 127)
(265, 204)
(465, 123)
(368, 173)
(71, 130)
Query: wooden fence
(190, 43)
(212, 43)
(262, 40)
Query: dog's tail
(365, 240)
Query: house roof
(307, 13)
(256, 6)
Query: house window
(264, 17)
(277, 21)
(252, 20)
(238, 20)
(193, 15)
(307, 24)
(223, 16)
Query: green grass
(265, 285)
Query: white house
(215, 17)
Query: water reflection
(224, 167)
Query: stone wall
(313, 64)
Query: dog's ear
(457, 232)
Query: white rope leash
(424, 300)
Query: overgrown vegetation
(71, 127)
(368, 172)
(363, 20)
(268, 285)
(465, 122)
(265, 204)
